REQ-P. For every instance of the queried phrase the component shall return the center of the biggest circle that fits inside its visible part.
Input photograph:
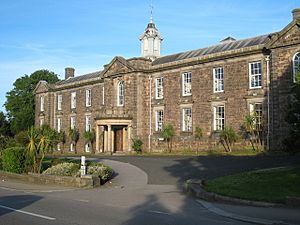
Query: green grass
(265, 185)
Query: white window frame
(255, 77)
(58, 124)
(88, 123)
(72, 122)
(59, 102)
(120, 93)
(42, 121)
(159, 119)
(42, 106)
(103, 95)
(296, 65)
(187, 119)
(258, 114)
(218, 79)
(73, 100)
(186, 84)
(219, 122)
(159, 88)
(88, 98)
(87, 147)
(72, 147)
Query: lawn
(272, 185)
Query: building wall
(140, 103)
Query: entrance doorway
(119, 138)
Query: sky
(87, 34)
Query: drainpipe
(268, 101)
(150, 113)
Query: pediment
(118, 65)
(41, 87)
(288, 36)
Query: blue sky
(54, 34)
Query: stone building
(210, 88)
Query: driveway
(126, 200)
(147, 191)
(177, 169)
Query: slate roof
(221, 47)
(80, 78)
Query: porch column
(125, 139)
(109, 138)
(112, 140)
(105, 141)
(129, 138)
(97, 139)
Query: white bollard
(83, 166)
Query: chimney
(296, 14)
(69, 72)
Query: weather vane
(151, 12)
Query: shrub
(228, 137)
(63, 169)
(13, 159)
(167, 133)
(104, 172)
(137, 145)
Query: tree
(20, 100)
(4, 125)
(292, 142)
(198, 135)
(40, 141)
(253, 132)
(89, 138)
(167, 134)
(74, 135)
(62, 139)
(227, 138)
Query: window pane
(296, 65)
(218, 79)
(187, 119)
(159, 88)
(255, 75)
(187, 83)
(219, 117)
(120, 100)
(159, 120)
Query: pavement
(132, 183)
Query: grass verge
(265, 185)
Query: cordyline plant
(254, 134)
(168, 133)
(40, 141)
(89, 137)
(74, 135)
(227, 138)
(198, 136)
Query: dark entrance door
(118, 138)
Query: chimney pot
(69, 72)
(296, 14)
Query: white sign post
(83, 166)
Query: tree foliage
(252, 132)
(20, 100)
(40, 141)
(90, 137)
(74, 135)
(227, 138)
(292, 142)
(167, 133)
(198, 136)
(4, 125)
